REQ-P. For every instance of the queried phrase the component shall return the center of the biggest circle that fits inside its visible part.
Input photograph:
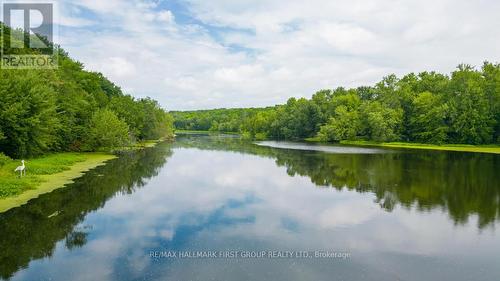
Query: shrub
(260, 136)
(4, 159)
(106, 131)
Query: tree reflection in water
(463, 184)
(30, 232)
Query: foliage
(220, 120)
(157, 124)
(381, 123)
(45, 111)
(27, 113)
(106, 131)
(344, 126)
(491, 74)
(428, 119)
(471, 119)
(298, 119)
(428, 107)
(4, 159)
(345, 123)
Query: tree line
(70, 109)
(429, 107)
(217, 120)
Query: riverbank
(448, 147)
(44, 175)
(204, 132)
(495, 149)
(141, 145)
(50, 172)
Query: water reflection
(402, 215)
(32, 231)
(322, 148)
(464, 184)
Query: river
(218, 208)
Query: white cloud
(118, 67)
(166, 16)
(255, 53)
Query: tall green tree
(157, 124)
(131, 111)
(28, 118)
(491, 74)
(471, 118)
(106, 131)
(381, 123)
(345, 125)
(428, 119)
(298, 119)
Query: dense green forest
(429, 107)
(70, 109)
(218, 120)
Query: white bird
(21, 169)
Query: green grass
(11, 184)
(447, 147)
(43, 175)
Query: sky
(199, 54)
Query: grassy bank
(495, 149)
(139, 145)
(44, 175)
(448, 147)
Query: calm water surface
(399, 214)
